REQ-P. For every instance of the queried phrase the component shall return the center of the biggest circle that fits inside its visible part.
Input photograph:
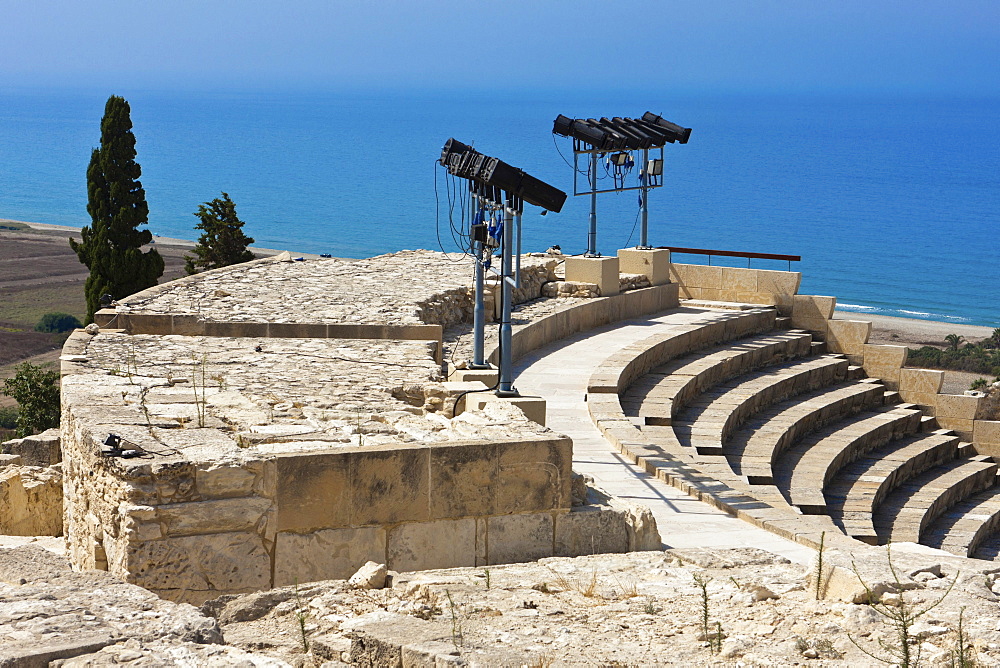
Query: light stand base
(533, 407)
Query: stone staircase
(771, 416)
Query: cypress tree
(222, 241)
(111, 246)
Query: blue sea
(893, 203)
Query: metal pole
(479, 312)
(644, 237)
(517, 252)
(592, 235)
(506, 388)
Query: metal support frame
(643, 235)
(506, 387)
(517, 252)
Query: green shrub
(58, 322)
(8, 417)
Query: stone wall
(730, 284)
(968, 416)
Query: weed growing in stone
(904, 651)
(301, 614)
(486, 575)
(964, 654)
(819, 567)
(713, 636)
(650, 608)
(456, 621)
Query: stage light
(619, 159)
(674, 132)
(654, 167)
(451, 147)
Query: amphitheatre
(288, 462)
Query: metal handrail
(725, 253)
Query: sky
(895, 46)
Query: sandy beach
(157, 239)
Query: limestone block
(532, 406)
(463, 479)
(885, 362)
(418, 546)
(390, 484)
(218, 516)
(590, 530)
(847, 336)
(31, 501)
(812, 307)
(697, 276)
(764, 298)
(923, 381)
(219, 563)
(957, 406)
(926, 400)
(778, 282)
(962, 427)
(458, 388)
(487, 377)
(534, 476)
(330, 554)
(370, 576)
(518, 538)
(739, 280)
(652, 263)
(37, 450)
(224, 481)
(600, 270)
(986, 436)
(313, 491)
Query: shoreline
(885, 329)
(157, 239)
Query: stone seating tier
(806, 468)
(625, 366)
(754, 449)
(860, 487)
(717, 413)
(911, 508)
(964, 527)
(661, 394)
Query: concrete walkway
(560, 371)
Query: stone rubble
(626, 609)
(368, 392)
(403, 288)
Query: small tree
(222, 241)
(57, 322)
(37, 394)
(111, 245)
(953, 341)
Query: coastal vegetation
(222, 241)
(111, 246)
(36, 391)
(57, 323)
(980, 357)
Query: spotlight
(674, 132)
(654, 167)
(619, 159)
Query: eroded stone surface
(49, 612)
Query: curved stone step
(626, 365)
(659, 395)
(808, 466)
(989, 549)
(860, 487)
(909, 510)
(754, 448)
(967, 524)
(721, 410)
